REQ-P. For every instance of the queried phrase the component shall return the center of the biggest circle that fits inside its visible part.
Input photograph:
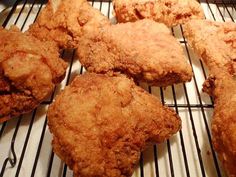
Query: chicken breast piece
(144, 50)
(29, 70)
(222, 87)
(100, 124)
(214, 42)
(65, 21)
(169, 12)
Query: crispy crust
(169, 12)
(144, 50)
(29, 70)
(223, 89)
(65, 21)
(100, 125)
(214, 42)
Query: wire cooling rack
(25, 142)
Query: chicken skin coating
(65, 21)
(144, 50)
(214, 42)
(29, 70)
(222, 87)
(100, 125)
(169, 12)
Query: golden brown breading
(29, 70)
(214, 42)
(170, 12)
(100, 124)
(144, 50)
(222, 86)
(64, 21)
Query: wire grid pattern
(25, 142)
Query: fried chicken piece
(214, 42)
(29, 70)
(144, 50)
(65, 21)
(100, 124)
(222, 86)
(169, 12)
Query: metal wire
(15, 158)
